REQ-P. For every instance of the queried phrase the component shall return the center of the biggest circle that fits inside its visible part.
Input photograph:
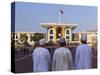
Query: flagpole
(59, 18)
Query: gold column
(55, 28)
(63, 31)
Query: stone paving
(23, 60)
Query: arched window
(67, 37)
(67, 31)
(13, 36)
(51, 31)
(51, 37)
(16, 37)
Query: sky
(28, 16)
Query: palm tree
(36, 38)
(24, 38)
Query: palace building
(55, 31)
(91, 37)
(16, 36)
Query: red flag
(61, 11)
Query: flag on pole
(61, 11)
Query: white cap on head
(42, 42)
(62, 40)
(84, 37)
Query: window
(51, 37)
(67, 31)
(16, 41)
(75, 37)
(51, 31)
(67, 37)
(16, 37)
(13, 36)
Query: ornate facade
(55, 31)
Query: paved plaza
(23, 60)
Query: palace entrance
(58, 32)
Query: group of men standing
(62, 57)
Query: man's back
(41, 59)
(62, 59)
(83, 59)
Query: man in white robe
(83, 58)
(62, 58)
(41, 58)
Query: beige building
(16, 36)
(91, 37)
(55, 31)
